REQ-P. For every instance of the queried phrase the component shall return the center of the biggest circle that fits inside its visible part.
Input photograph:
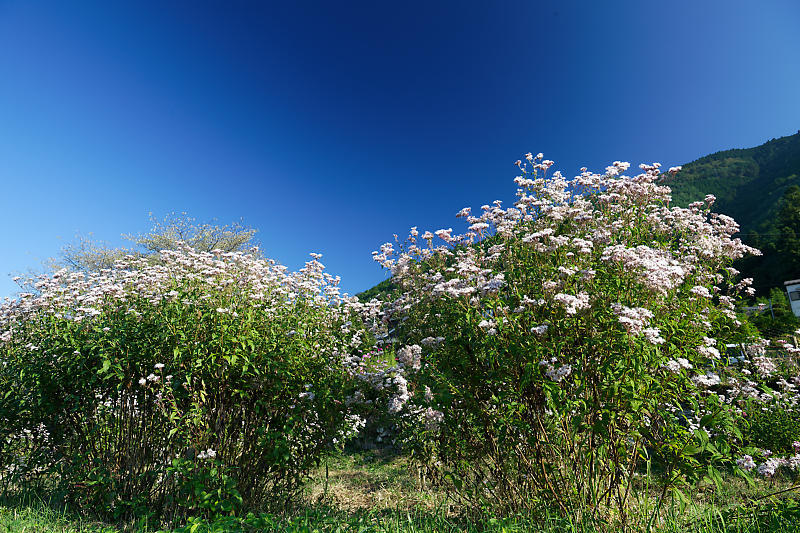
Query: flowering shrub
(378, 381)
(166, 385)
(559, 344)
(773, 426)
(762, 384)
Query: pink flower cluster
(771, 464)
(229, 280)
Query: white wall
(794, 292)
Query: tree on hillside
(779, 243)
(788, 224)
(87, 254)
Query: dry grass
(371, 480)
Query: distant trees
(777, 319)
(780, 244)
(87, 254)
(174, 228)
(788, 225)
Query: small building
(793, 288)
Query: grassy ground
(36, 517)
(376, 491)
(371, 480)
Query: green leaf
(691, 449)
(706, 419)
(681, 497)
(713, 473)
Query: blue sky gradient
(331, 126)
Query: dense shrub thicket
(559, 346)
(540, 361)
(200, 384)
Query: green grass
(40, 518)
(371, 480)
(35, 518)
(377, 491)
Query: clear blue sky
(330, 126)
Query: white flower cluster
(573, 304)
(385, 379)
(657, 270)
(539, 330)
(397, 401)
(433, 419)
(410, 356)
(764, 365)
(675, 365)
(555, 373)
(746, 463)
(633, 319)
(771, 464)
(707, 380)
(207, 454)
(353, 425)
(707, 349)
(233, 276)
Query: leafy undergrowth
(377, 491)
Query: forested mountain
(760, 188)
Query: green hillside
(380, 291)
(760, 188)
